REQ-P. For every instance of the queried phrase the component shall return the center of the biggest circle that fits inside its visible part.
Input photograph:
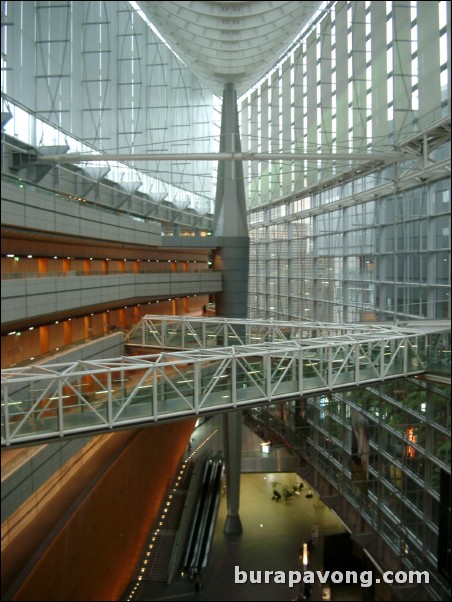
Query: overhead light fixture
(305, 556)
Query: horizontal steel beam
(367, 157)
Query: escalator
(203, 525)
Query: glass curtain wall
(345, 241)
(94, 76)
(339, 240)
(387, 450)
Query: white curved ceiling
(229, 42)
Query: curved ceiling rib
(229, 42)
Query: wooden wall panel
(94, 553)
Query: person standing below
(197, 580)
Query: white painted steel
(290, 360)
(230, 42)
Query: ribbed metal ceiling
(229, 42)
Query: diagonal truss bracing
(199, 371)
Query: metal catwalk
(209, 365)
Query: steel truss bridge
(199, 366)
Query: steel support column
(231, 224)
(232, 444)
(230, 219)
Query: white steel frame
(292, 360)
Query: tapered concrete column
(230, 219)
(232, 259)
(232, 444)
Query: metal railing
(53, 401)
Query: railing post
(356, 345)
(60, 408)
(406, 342)
(268, 376)
(6, 415)
(233, 380)
(109, 399)
(196, 385)
(155, 383)
(330, 367)
(164, 329)
(300, 372)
